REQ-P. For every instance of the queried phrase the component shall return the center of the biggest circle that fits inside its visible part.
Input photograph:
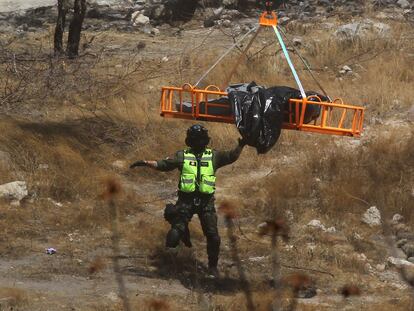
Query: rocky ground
(345, 204)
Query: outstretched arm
(164, 165)
(223, 158)
(152, 164)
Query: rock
(284, 20)
(93, 13)
(400, 243)
(307, 292)
(209, 23)
(380, 267)
(14, 191)
(315, 223)
(262, 228)
(361, 256)
(359, 30)
(411, 259)
(226, 23)
(368, 267)
(345, 70)
(356, 236)
(43, 166)
(382, 29)
(289, 216)
(230, 3)
(408, 249)
(399, 253)
(331, 230)
(139, 19)
(404, 4)
(155, 31)
(398, 262)
(218, 11)
(397, 218)
(297, 41)
(372, 217)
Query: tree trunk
(60, 27)
(75, 28)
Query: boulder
(404, 4)
(226, 23)
(315, 223)
(401, 243)
(230, 3)
(397, 218)
(139, 19)
(372, 217)
(408, 249)
(380, 267)
(14, 191)
(360, 30)
(398, 262)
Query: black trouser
(203, 205)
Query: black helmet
(197, 137)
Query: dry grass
(103, 108)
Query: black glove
(138, 163)
(242, 142)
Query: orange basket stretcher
(192, 102)
(335, 118)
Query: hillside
(70, 128)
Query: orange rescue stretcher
(188, 102)
(192, 102)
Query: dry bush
(378, 172)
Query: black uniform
(198, 203)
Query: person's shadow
(188, 270)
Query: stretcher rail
(334, 118)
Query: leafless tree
(75, 27)
(60, 26)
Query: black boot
(213, 273)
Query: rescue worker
(198, 165)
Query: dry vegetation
(64, 123)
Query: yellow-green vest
(198, 175)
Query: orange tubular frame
(268, 19)
(349, 123)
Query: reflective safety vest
(198, 175)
